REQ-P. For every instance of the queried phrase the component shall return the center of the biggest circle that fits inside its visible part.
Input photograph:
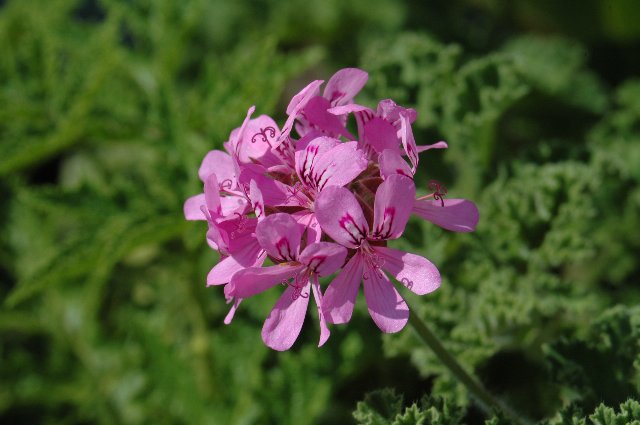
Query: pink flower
(290, 197)
(341, 217)
(280, 235)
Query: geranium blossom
(315, 199)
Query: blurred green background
(107, 108)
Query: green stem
(485, 400)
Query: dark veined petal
(323, 258)
(341, 217)
(280, 235)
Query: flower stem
(485, 400)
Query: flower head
(315, 200)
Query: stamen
(226, 184)
(439, 190)
(263, 135)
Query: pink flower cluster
(318, 203)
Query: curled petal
(413, 271)
(386, 307)
(341, 217)
(297, 104)
(323, 258)
(439, 145)
(340, 297)
(344, 85)
(192, 207)
(253, 280)
(392, 163)
(317, 294)
(232, 311)
(408, 142)
(283, 325)
(348, 109)
(457, 215)
(392, 207)
(280, 235)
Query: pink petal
(231, 205)
(257, 202)
(297, 104)
(258, 138)
(457, 215)
(386, 307)
(339, 166)
(344, 85)
(316, 113)
(348, 109)
(212, 195)
(235, 138)
(299, 101)
(229, 317)
(323, 258)
(280, 235)
(413, 271)
(340, 297)
(306, 158)
(309, 221)
(341, 217)
(392, 112)
(392, 163)
(302, 143)
(192, 210)
(274, 193)
(392, 207)
(283, 325)
(251, 256)
(408, 142)
(253, 280)
(221, 164)
(317, 294)
(439, 145)
(381, 135)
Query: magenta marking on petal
(284, 250)
(315, 262)
(383, 231)
(349, 224)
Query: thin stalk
(485, 400)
